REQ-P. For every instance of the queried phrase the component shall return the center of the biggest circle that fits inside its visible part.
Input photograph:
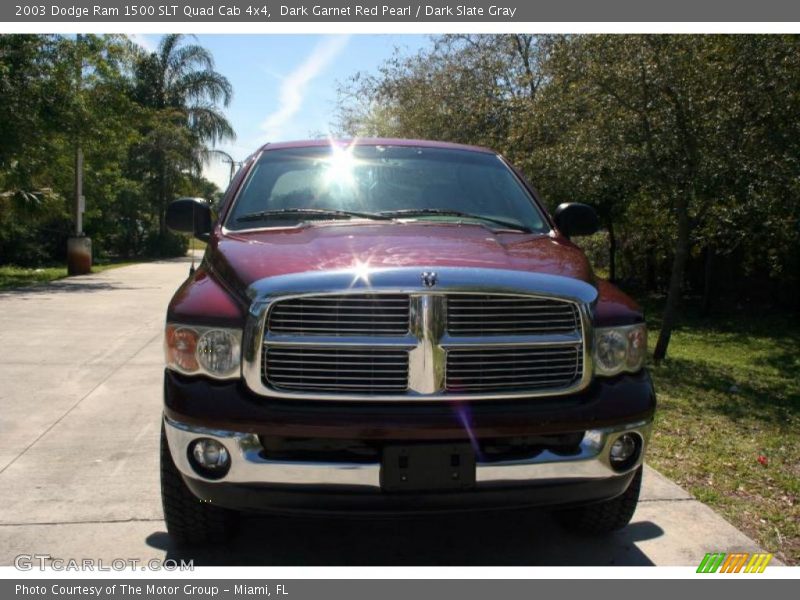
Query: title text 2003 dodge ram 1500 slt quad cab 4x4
(396, 326)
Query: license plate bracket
(427, 467)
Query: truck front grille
(506, 369)
(422, 345)
(341, 315)
(361, 370)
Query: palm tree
(183, 94)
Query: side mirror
(574, 218)
(190, 215)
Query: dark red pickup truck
(396, 326)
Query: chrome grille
(314, 369)
(341, 315)
(512, 368)
(421, 345)
(484, 314)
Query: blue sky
(285, 85)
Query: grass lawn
(728, 422)
(198, 245)
(12, 277)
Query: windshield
(293, 185)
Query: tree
(462, 89)
(574, 145)
(43, 114)
(183, 92)
(144, 123)
(683, 106)
(31, 108)
(687, 146)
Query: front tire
(188, 519)
(603, 517)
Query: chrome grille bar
(357, 370)
(341, 315)
(522, 368)
(490, 314)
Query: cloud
(294, 85)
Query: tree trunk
(612, 253)
(650, 269)
(162, 197)
(675, 280)
(708, 274)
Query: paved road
(80, 385)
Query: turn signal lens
(181, 346)
(637, 348)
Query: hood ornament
(429, 279)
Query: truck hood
(242, 258)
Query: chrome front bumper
(248, 466)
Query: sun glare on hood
(361, 272)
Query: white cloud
(295, 84)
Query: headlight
(618, 349)
(212, 351)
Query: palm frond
(166, 47)
(185, 59)
(209, 125)
(203, 86)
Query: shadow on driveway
(497, 539)
(71, 287)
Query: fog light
(625, 451)
(209, 458)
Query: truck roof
(375, 142)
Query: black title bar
(258, 11)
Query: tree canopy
(686, 145)
(145, 122)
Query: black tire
(603, 517)
(188, 520)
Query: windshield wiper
(421, 212)
(309, 213)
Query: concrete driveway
(80, 407)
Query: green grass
(14, 277)
(198, 245)
(729, 393)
